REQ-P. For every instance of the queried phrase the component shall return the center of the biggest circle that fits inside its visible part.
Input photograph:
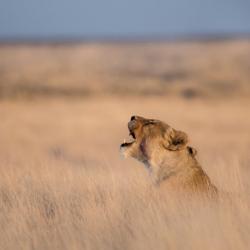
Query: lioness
(165, 153)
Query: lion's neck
(174, 165)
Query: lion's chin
(124, 151)
(125, 148)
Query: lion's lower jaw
(124, 152)
(127, 152)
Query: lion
(166, 154)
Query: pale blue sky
(121, 18)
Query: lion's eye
(150, 122)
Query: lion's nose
(133, 118)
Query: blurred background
(83, 48)
(71, 68)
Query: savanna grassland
(64, 110)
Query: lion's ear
(192, 151)
(177, 140)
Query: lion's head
(151, 137)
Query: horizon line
(125, 38)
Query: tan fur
(164, 151)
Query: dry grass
(63, 183)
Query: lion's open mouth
(129, 143)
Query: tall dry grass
(63, 184)
(63, 208)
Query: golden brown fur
(165, 152)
